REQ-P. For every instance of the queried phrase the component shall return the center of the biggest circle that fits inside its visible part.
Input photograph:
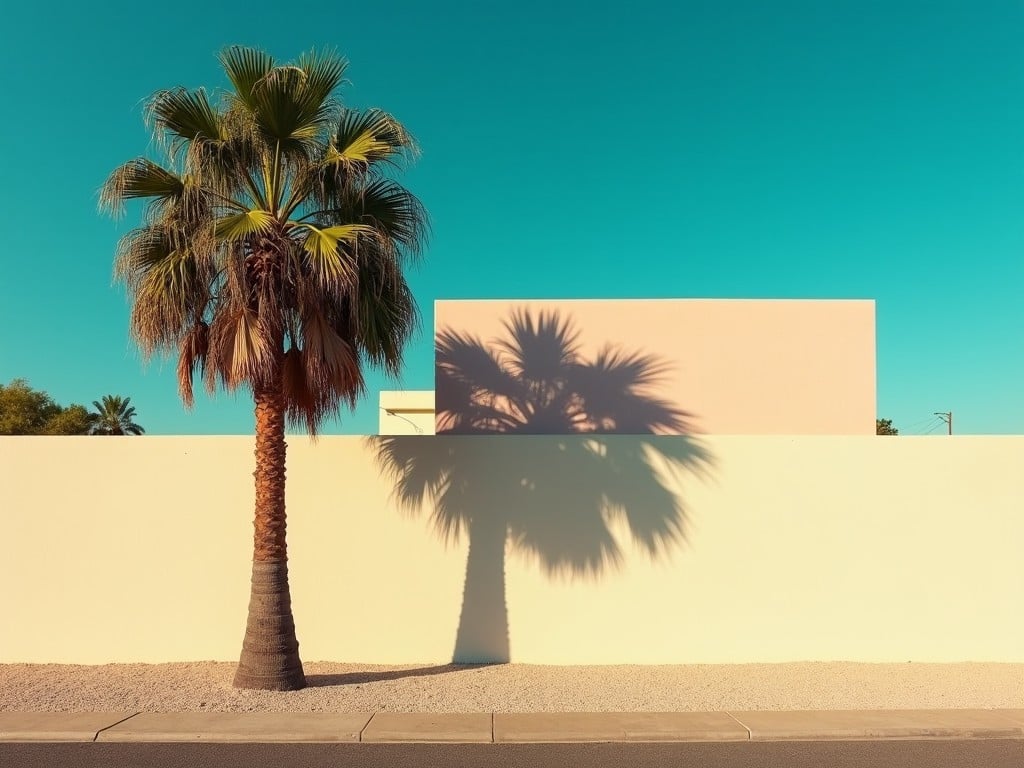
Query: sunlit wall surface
(541, 549)
(721, 366)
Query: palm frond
(329, 359)
(364, 138)
(392, 209)
(384, 309)
(292, 104)
(299, 394)
(323, 75)
(245, 67)
(240, 226)
(167, 283)
(238, 347)
(330, 253)
(187, 115)
(192, 355)
(139, 178)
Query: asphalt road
(984, 753)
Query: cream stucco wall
(799, 548)
(739, 366)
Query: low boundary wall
(796, 548)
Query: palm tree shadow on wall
(612, 454)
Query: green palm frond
(391, 208)
(323, 75)
(386, 313)
(188, 115)
(138, 251)
(329, 261)
(139, 178)
(277, 110)
(292, 104)
(325, 241)
(367, 137)
(168, 283)
(240, 226)
(245, 67)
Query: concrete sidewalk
(393, 727)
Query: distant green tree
(114, 416)
(73, 420)
(27, 411)
(885, 427)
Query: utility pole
(948, 418)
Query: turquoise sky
(745, 149)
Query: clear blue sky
(799, 149)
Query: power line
(934, 423)
(921, 424)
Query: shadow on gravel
(357, 678)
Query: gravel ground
(206, 687)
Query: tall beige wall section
(797, 548)
(406, 412)
(738, 366)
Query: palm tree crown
(273, 242)
(114, 416)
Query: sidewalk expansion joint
(96, 736)
(743, 725)
(366, 725)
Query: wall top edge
(322, 438)
(663, 300)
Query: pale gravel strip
(206, 687)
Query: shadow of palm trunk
(483, 634)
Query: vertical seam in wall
(749, 733)
(108, 727)
(492, 727)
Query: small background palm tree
(113, 416)
(554, 500)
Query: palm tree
(271, 257)
(554, 500)
(114, 416)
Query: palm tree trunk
(270, 651)
(483, 623)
